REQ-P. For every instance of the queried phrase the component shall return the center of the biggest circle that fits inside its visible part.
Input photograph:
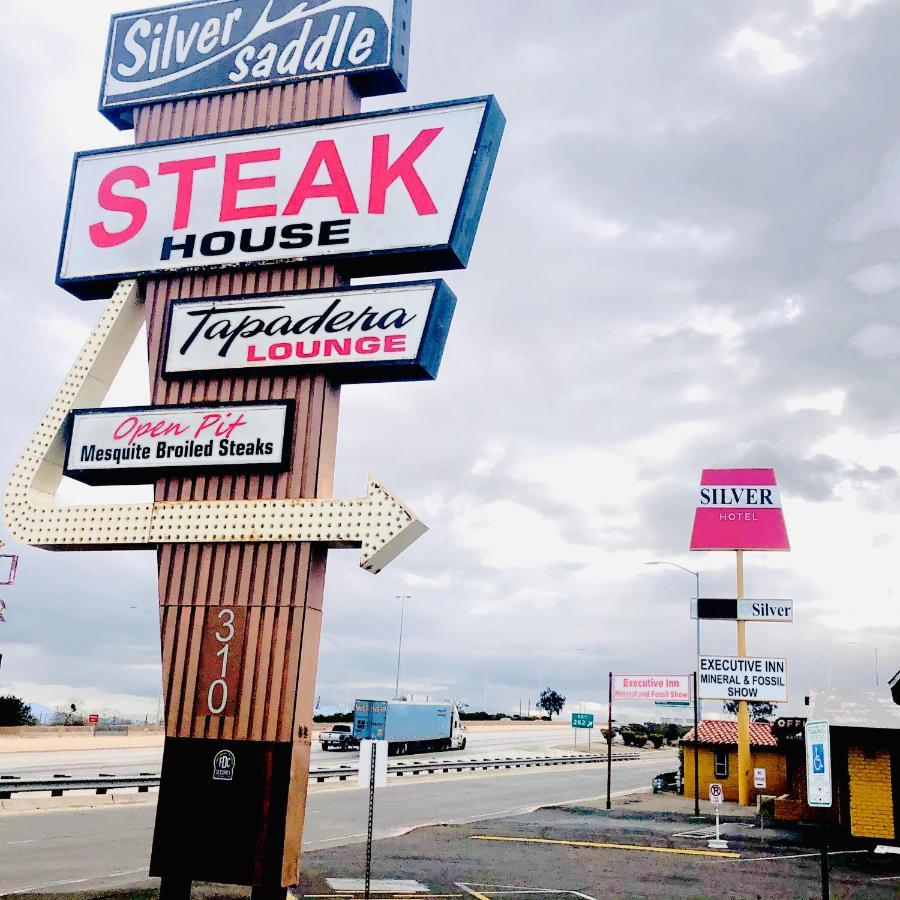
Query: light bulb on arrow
(379, 523)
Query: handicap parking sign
(818, 759)
(818, 764)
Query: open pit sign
(135, 445)
(743, 678)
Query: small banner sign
(739, 509)
(743, 678)
(215, 46)
(394, 333)
(582, 720)
(387, 193)
(136, 445)
(655, 688)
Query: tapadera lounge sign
(190, 49)
(739, 509)
(391, 333)
(387, 193)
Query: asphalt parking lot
(585, 852)
(642, 848)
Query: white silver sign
(765, 610)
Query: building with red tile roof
(721, 733)
(718, 759)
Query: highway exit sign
(582, 720)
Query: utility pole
(581, 651)
(402, 598)
(662, 562)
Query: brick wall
(770, 760)
(871, 799)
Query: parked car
(340, 736)
(665, 781)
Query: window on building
(721, 763)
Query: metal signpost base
(718, 843)
(823, 858)
(696, 751)
(371, 819)
(174, 888)
(609, 740)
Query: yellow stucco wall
(871, 799)
(770, 760)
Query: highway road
(132, 760)
(67, 850)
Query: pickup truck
(340, 736)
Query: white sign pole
(818, 785)
(372, 774)
(715, 797)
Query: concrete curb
(18, 805)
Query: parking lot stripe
(493, 892)
(799, 855)
(604, 846)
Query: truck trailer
(409, 727)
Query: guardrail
(10, 785)
(442, 766)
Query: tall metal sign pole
(738, 509)
(254, 191)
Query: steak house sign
(217, 45)
(242, 514)
(391, 192)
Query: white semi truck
(409, 727)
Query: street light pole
(402, 598)
(662, 562)
(581, 651)
(875, 650)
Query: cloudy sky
(688, 259)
